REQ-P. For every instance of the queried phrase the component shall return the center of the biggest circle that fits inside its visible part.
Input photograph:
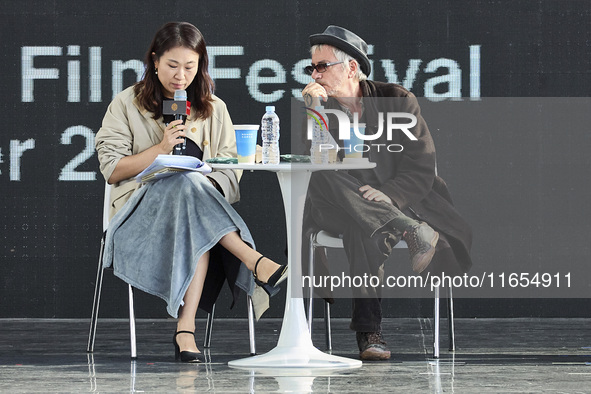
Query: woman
(167, 236)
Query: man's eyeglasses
(320, 67)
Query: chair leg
(132, 376)
(209, 328)
(310, 302)
(97, 299)
(436, 324)
(132, 324)
(310, 313)
(450, 320)
(327, 329)
(251, 337)
(250, 308)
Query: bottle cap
(270, 108)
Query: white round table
(294, 348)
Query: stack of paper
(167, 165)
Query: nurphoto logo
(346, 130)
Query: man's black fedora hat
(346, 41)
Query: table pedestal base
(295, 357)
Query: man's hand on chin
(313, 93)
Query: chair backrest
(106, 206)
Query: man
(401, 198)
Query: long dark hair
(199, 92)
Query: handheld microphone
(180, 108)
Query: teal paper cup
(354, 146)
(246, 142)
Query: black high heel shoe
(186, 356)
(277, 277)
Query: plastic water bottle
(270, 136)
(320, 140)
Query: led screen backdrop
(63, 62)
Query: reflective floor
(492, 356)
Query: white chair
(323, 239)
(97, 298)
